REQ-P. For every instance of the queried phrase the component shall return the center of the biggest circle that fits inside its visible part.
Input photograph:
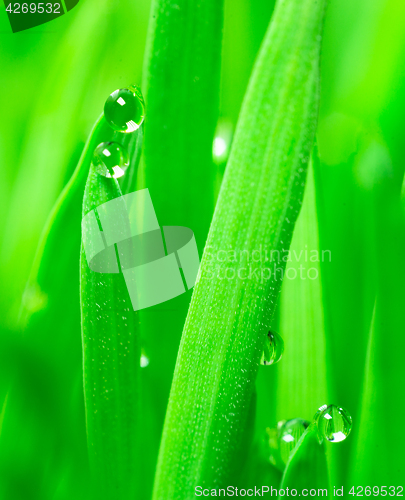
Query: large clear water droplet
(124, 109)
(289, 435)
(273, 349)
(334, 423)
(110, 159)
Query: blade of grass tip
(379, 445)
(302, 371)
(181, 85)
(61, 237)
(111, 362)
(307, 466)
(258, 204)
(65, 211)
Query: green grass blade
(133, 144)
(378, 453)
(343, 210)
(64, 219)
(257, 207)
(302, 372)
(307, 467)
(297, 386)
(53, 134)
(52, 293)
(181, 86)
(111, 363)
(50, 324)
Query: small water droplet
(144, 359)
(273, 349)
(110, 159)
(334, 423)
(124, 109)
(222, 141)
(289, 435)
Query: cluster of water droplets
(124, 111)
(333, 424)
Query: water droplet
(289, 435)
(222, 141)
(283, 439)
(110, 159)
(144, 360)
(124, 109)
(273, 349)
(334, 423)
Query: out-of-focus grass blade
(343, 210)
(50, 321)
(378, 453)
(258, 204)
(52, 293)
(307, 467)
(181, 86)
(354, 101)
(47, 146)
(297, 385)
(302, 372)
(72, 66)
(111, 363)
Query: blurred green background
(55, 79)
